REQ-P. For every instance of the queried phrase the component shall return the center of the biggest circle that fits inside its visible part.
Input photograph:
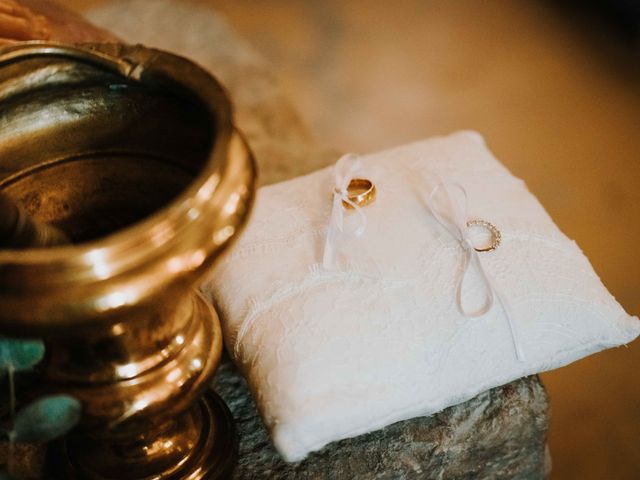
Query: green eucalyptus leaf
(46, 418)
(21, 354)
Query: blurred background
(553, 86)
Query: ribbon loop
(345, 170)
(454, 219)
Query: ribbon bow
(345, 169)
(456, 225)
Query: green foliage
(20, 354)
(46, 419)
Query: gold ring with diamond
(496, 236)
(361, 192)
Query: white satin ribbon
(345, 170)
(456, 225)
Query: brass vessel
(131, 153)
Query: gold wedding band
(496, 236)
(361, 192)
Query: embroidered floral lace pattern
(331, 354)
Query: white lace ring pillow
(379, 338)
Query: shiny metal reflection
(130, 153)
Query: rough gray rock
(500, 434)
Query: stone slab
(500, 434)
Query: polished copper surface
(131, 154)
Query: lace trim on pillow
(317, 276)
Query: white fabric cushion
(331, 354)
